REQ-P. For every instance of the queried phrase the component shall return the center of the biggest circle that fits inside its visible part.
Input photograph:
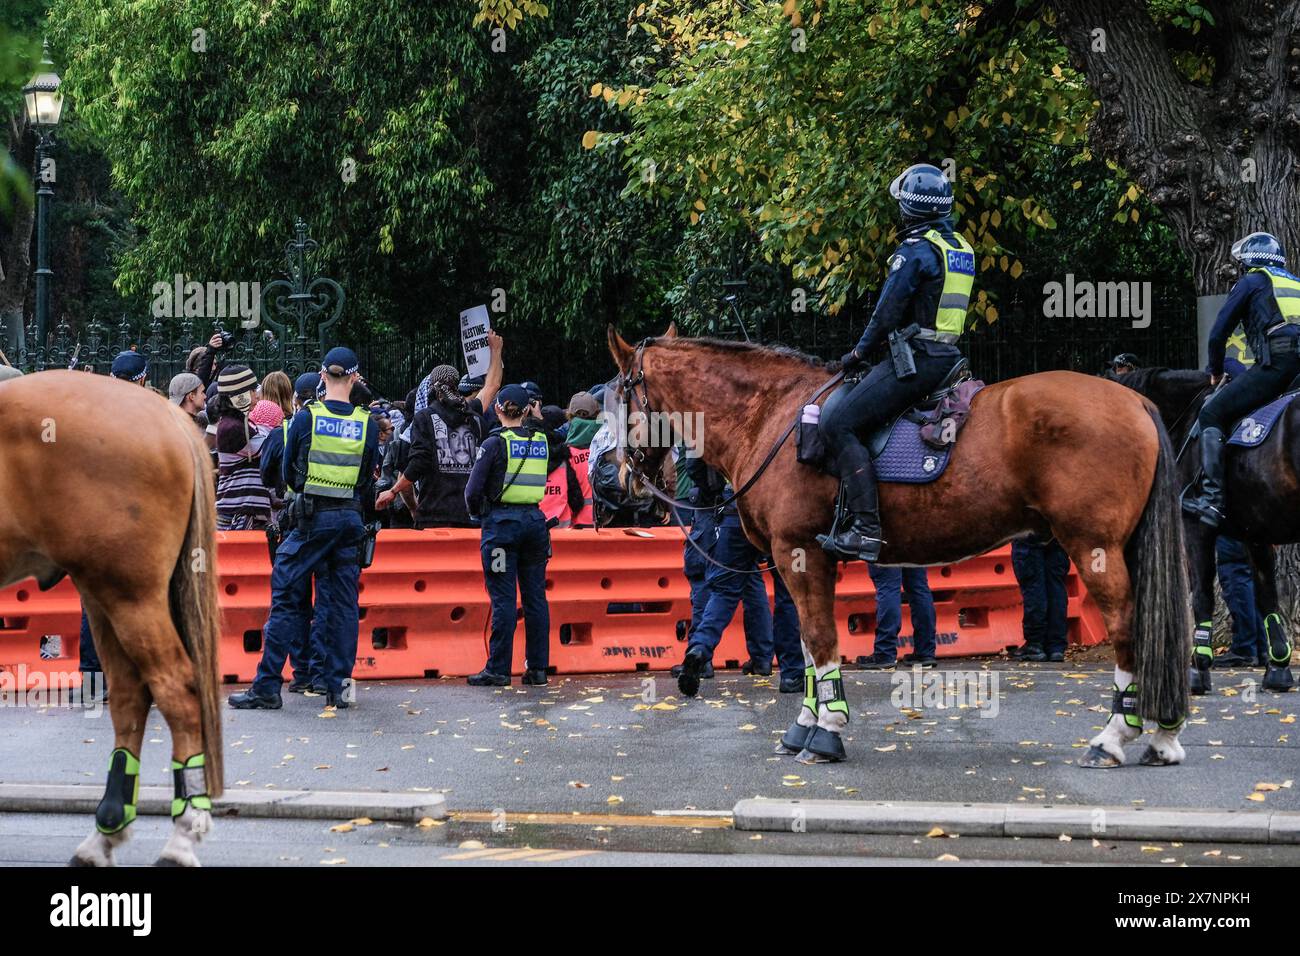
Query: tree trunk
(1219, 161)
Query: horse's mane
(751, 348)
(1143, 380)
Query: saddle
(1254, 429)
(914, 447)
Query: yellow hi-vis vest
(1286, 291)
(525, 478)
(958, 281)
(334, 456)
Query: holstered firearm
(366, 551)
(900, 350)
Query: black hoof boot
(693, 665)
(1278, 679)
(1098, 759)
(795, 739)
(823, 746)
(1199, 682)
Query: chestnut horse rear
(1057, 453)
(111, 484)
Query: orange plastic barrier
(618, 602)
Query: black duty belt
(324, 503)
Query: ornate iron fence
(297, 315)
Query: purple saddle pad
(1254, 429)
(907, 459)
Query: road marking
(479, 854)
(598, 819)
(498, 854)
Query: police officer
(921, 311)
(505, 489)
(329, 463)
(892, 585)
(729, 577)
(303, 658)
(1124, 363)
(1041, 568)
(1266, 303)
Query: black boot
(1209, 506)
(862, 538)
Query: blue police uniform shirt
(488, 475)
(913, 285)
(294, 466)
(1251, 305)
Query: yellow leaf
(589, 139)
(342, 828)
(625, 97)
(1016, 269)
(699, 204)
(597, 89)
(936, 832)
(614, 799)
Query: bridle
(635, 377)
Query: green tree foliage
(225, 119)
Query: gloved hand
(851, 360)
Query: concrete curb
(1017, 820)
(269, 804)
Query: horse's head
(641, 444)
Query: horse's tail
(196, 611)
(1162, 611)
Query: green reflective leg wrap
(1125, 704)
(810, 690)
(1279, 647)
(190, 786)
(121, 794)
(1202, 652)
(830, 693)
(1170, 725)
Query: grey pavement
(631, 744)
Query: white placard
(474, 328)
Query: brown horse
(1057, 453)
(110, 484)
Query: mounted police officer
(1266, 303)
(505, 490)
(921, 311)
(329, 463)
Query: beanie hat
(235, 380)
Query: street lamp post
(44, 105)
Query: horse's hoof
(79, 862)
(826, 744)
(1153, 758)
(1278, 679)
(808, 757)
(164, 861)
(794, 740)
(1098, 759)
(1199, 682)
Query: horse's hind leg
(1108, 584)
(129, 708)
(1277, 671)
(166, 668)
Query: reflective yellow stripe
(958, 281)
(1286, 291)
(337, 445)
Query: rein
(636, 456)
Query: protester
(277, 388)
(243, 501)
(186, 390)
(444, 437)
(582, 426)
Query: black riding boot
(863, 536)
(1209, 506)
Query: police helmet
(923, 192)
(1259, 249)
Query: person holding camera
(329, 463)
(505, 490)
